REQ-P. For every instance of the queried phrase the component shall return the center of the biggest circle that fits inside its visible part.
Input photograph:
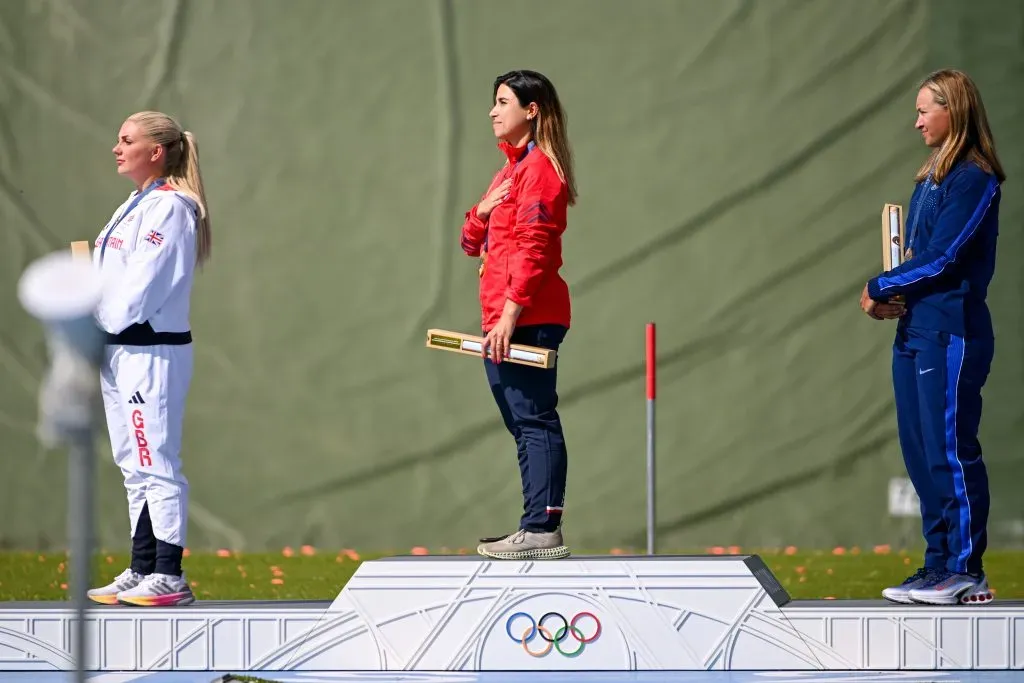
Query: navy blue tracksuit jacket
(941, 358)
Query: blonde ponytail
(181, 169)
(189, 179)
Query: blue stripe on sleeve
(935, 268)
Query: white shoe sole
(175, 600)
(965, 597)
(110, 599)
(900, 597)
(556, 553)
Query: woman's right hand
(497, 196)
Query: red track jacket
(521, 242)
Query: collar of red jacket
(515, 154)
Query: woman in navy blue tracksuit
(944, 340)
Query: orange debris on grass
(790, 550)
(801, 570)
(63, 586)
(419, 550)
(716, 550)
(829, 571)
(351, 554)
(287, 552)
(277, 582)
(186, 552)
(839, 551)
(734, 550)
(307, 550)
(618, 551)
(223, 552)
(882, 549)
(906, 560)
(60, 567)
(110, 560)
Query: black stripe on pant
(150, 555)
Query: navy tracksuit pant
(937, 379)
(527, 400)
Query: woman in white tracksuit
(147, 255)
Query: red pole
(651, 357)
(651, 391)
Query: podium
(471, 614)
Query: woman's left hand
(867, 304)
(498, 340)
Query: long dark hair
(548, 129)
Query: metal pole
(80, 525)
(651, 363)
(63, 293)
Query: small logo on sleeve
(155, 237)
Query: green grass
(315, 575)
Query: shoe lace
(921, 573)
(163, 583)
(937, 576)
(128, 574)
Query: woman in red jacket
(516, 230)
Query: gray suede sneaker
(526, 545)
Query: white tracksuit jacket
(147, 266)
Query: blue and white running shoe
(948, 588)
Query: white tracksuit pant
(144, 390)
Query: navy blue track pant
(527, 400)
(937, 379)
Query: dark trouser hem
(168, 558)
(144, 544)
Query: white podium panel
(470, 614)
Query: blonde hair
(969, 134)
(181, 168)
(549, 127)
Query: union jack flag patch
(154, 237)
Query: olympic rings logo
(568, 628)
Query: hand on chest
(503, 216)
